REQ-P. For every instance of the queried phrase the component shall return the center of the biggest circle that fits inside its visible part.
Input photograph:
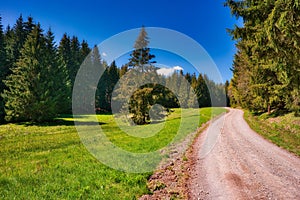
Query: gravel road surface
(234, 162)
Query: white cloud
(168, 71)
(104, 54)
(178, 68)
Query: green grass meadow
(49, 161)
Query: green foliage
(142, 69)
(37, 77)
(141, 54)
(71, 54)
(32, 92)
(12, 40)
(266, 66)
(3, 70)
(106, 85)
(21, 55)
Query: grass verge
(283, 130)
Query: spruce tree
(141, 56)
(56, 76)
(32, 93)
(266, 74)
(75, 59)
(123, 70)
(84, 51)
(3, 70)
(113, 78)
(140, 71)
(72, 54)
(103, 84)
(65, 57)
(202, 91)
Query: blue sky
(96, 21)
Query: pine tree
(65, 58)
(282, 30)
(261, 69)
(123, 70)
(75, 59)
(19, 38)
(3, 70)
(72, 54)
(28, 26)
(227, 94)
(102, 89)
(20, 32)
(84, 51)
(202, 91)
(32, 93)
(183, 93)
(140, 71)
(113, 78)
(56, 76)
(141, 56)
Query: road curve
(239, 164)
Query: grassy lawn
(283, 130)
(49, 161)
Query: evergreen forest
(37, 76)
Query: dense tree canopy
(32, 93)
(35, 81)
(266, 66)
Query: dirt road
(234, 162)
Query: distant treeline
(266, 69)
(37, 76)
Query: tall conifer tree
(32, 94)
(3, 70)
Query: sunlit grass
(283, 131)
(48, 161)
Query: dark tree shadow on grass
(61, 122)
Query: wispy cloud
(104, 54)
(168, 71)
